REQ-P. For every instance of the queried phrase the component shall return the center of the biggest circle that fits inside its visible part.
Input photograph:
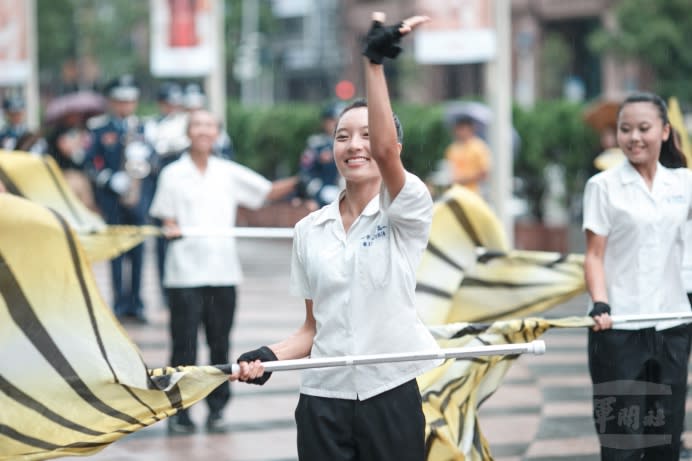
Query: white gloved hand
(120, 182)
(329, 193)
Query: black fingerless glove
(382, 42)
(599, 308)
(263, 354)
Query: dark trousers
(214, 308)
(389, 426)
(640, 386)
(126, 291)
(161, 245)
(127, 297)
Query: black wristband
(263, 354)
(382, 42)
(599, 308)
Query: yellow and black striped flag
(453, 392)
(40, 180)
(71, 381)
(468, 272)
(677, 120)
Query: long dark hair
(671, 153)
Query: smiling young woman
(634, 219)
(354, 262)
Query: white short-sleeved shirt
(687, 258)
(208, 199)
(645, 231)
(362, 285)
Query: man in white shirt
(201, 274)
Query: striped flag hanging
(677, 120)
(40, 180)
(84, 385)
(453, 392)
(468, 272)
(71, 381)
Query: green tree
(56, 38)
(658, 32)
(557, 55)
(111, 33)
(267, 25)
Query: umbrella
(602, 114)
(86, 103)
(483, 116)
(481, 113)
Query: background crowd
(112, 157)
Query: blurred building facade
(319, 46)
(307, 52)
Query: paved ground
(541, 412)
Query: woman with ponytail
(634, 221)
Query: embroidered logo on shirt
(369, 239)
(675, 199)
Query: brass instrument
(136, 163)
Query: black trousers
(640, 385)
(389, 426)
(127, 298)
(214, 308)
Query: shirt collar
(190, 165)
(331, 211)
(629, 175)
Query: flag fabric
(678, 122)
(82, 383)
(71, 381)
(453, 392)
(40, 180)
(113, 241)
(468, 272)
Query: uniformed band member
(120, 164)
(166, 133)
(319, 177)
(15, 135)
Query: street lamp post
(498, 89)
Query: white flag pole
(534, 347)
(652, 317)
(243, 232)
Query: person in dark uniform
(120, 163)
(16, 135)
(166, 133)
(319, 178)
